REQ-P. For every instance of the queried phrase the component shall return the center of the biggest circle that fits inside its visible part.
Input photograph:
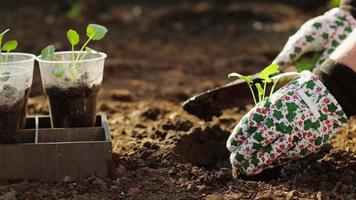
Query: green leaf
(48, 53)
(73, 37)
(5, 76)
(9, 46)
(96, 31)
(268, 71)
(248, 79)
(89, 50)
(58, 71)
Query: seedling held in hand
(265, 76)
(93, 32)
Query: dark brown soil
(72, 107)
(10, 120)
(157, 60)
(24, 109)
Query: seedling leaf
(89, 50)
(73, 37)
(268, 71)
(5, 76)
(58, 71)
(96, 31)
(9, 46)
(248, 79)
(48, 53)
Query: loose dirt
(156, 61)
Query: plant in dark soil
(71, 79)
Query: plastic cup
(12, 100)
(72, 87)
(25, 60)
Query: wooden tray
(50, 154)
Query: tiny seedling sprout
(264, 75)
(93, 32)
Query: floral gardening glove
(320, 35)
(293, 123)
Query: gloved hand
(320, 35)
(293, 123)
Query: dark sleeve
(341, 82)
(349, 5)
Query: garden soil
(72, 107)
(158, 56)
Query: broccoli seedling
(8, 46)
(264, 75)
(93, 32)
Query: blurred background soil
(159, 54)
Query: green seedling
(264, 75)
(93, 32)
(8, 46)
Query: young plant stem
(272, 89)
(81, 49)
(7, 56)
(73, 57)
(253, 94)
(264, 90)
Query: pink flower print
(325, 110)
(287, 98)
(318, 89)
(327, 101)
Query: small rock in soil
(134, 191)
(151, 113)
(121, 95)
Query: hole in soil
(204, 148)
(207, 148)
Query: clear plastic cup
(25, 60)
(12, 100)
(72, 87)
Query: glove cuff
(350, 6)
(321, 103)
(339, 79)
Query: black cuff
(350, 6)
(340, 80)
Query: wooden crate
(50, 154)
